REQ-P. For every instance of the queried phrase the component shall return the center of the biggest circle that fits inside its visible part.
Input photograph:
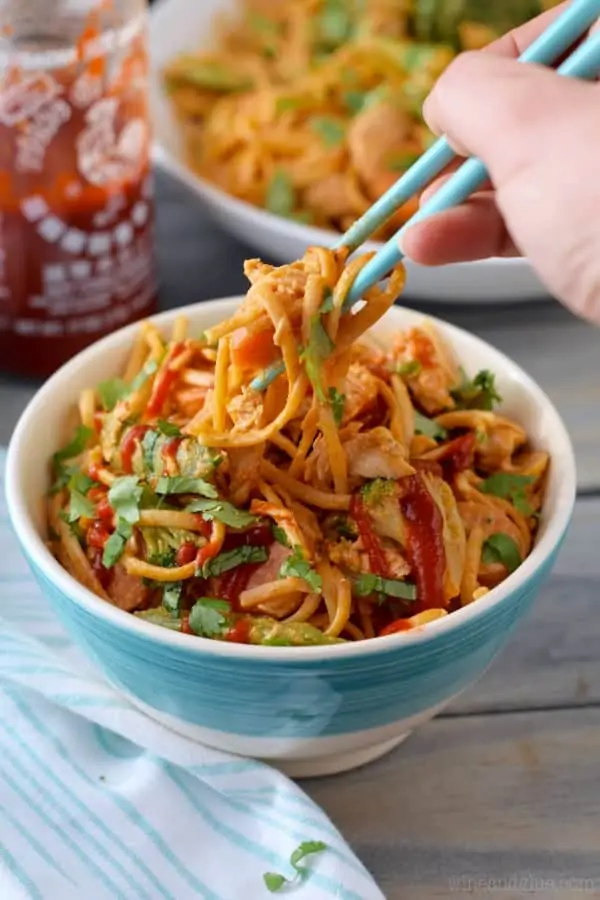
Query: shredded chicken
(246, 410)
(126, 591)
(332, 197)
(361, 390)
(373, 138)
(244, 472)
(282, 517)
(376, 454)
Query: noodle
(371, 489)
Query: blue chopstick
(584, 64)
(545, 50)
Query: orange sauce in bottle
(76, 195)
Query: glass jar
(76, 197)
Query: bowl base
(320, 766)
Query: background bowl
(183, 25)
(311, 710)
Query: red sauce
(377, 560)
(131, 439)
(231, 584)
(428, 465)
(425, 543)
(394, 627)
(163, 383)
(97, 535)
(185, 624)
(457, 455)
(421, 348)
(76, 204)
(102, 574)
(260, 535)
(169, 451)
(186, 554)
(105, 512)
(240, 633)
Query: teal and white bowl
(309, 710)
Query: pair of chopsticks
(584, 63)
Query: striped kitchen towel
(97, 802)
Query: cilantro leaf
(164, 558)
(297, 566)
(111, 391)
(327, 304)
(338, 402)
(409, 369)
(315, 353)
(281, 197)
(208, 617)
(233, 558)
(75, 447)
(79, 506)
(280, 536)
(143, 375)
(115, 545)
(148, 447)
(330, 130)
(274, 881)
(367, 584)
(184, 484)
(334, 25)
(500, 548)
(79, 481)
(509, 487)
(429, 428)
(124, 497)
(480, 393)
(222, 511)
(168, 428)
(171, 599)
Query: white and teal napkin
(97, 802)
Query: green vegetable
(79, 506)
(509, 487)
(160, 617)
(268, 30)
(222, 511)
(281, 197)
(368, 584)
(143, 375)
(183, 484)
(148, 447)
(209, 618)
(208, 75)
(355, 101)
(334, 25)
(338, 403)
(373, 492)
(124, 497)
(164, 558)
(280, 536)
(327, 304)
(171, 599)
(162, 542)
(315, 353)
(115, 545)
(409, 369)
(401, 162)
(297, 566)
(330, 130)
(429, 428)
(269, 632)
(500, 548)
(168, 428)
(480, 393)
(110, 392)
(274, 881)
(231, 559)
(287, 104)
(74, 448)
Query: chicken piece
(361, 391)
(332, 196)
(455, 539)
(499, 438)
(435, 372)
(396, 564)
(348, 555)
(375, 135)
(269, 570)
(246, 410)
(317, 469)
(284, 518)
(376, 454)
(244, 472)
(128, 592)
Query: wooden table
(499, 797)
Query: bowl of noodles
(288, 529)
(290, 119)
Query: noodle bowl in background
(369, 490)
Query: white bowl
(183, 25)
(311, 710)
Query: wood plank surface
(502, 807)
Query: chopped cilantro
(124, 497)
(374, 491)
(287, 104)
(143, 375)
(111, 391)
(509, 487)
(429, 428)
(338, 402)
(354, 101)
(281, 197)
(184, 484)
(315, 353)
(171, 599)
(115, 545)
(330, 130)
(334, 25)
(148, 447)
(274, 881)
(367, 584)
(208, 617)
(222, 511)
(297, 566)
(164, 558)
(480, 393)
(231, 559)
(409, 369)
(79, 506)
(280, 536)
(501, 548)
(74, 448)
(327, 304)
(79, 481)
(401, 162)
(168, 428)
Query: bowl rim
(40, 557)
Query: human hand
(538, 134)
